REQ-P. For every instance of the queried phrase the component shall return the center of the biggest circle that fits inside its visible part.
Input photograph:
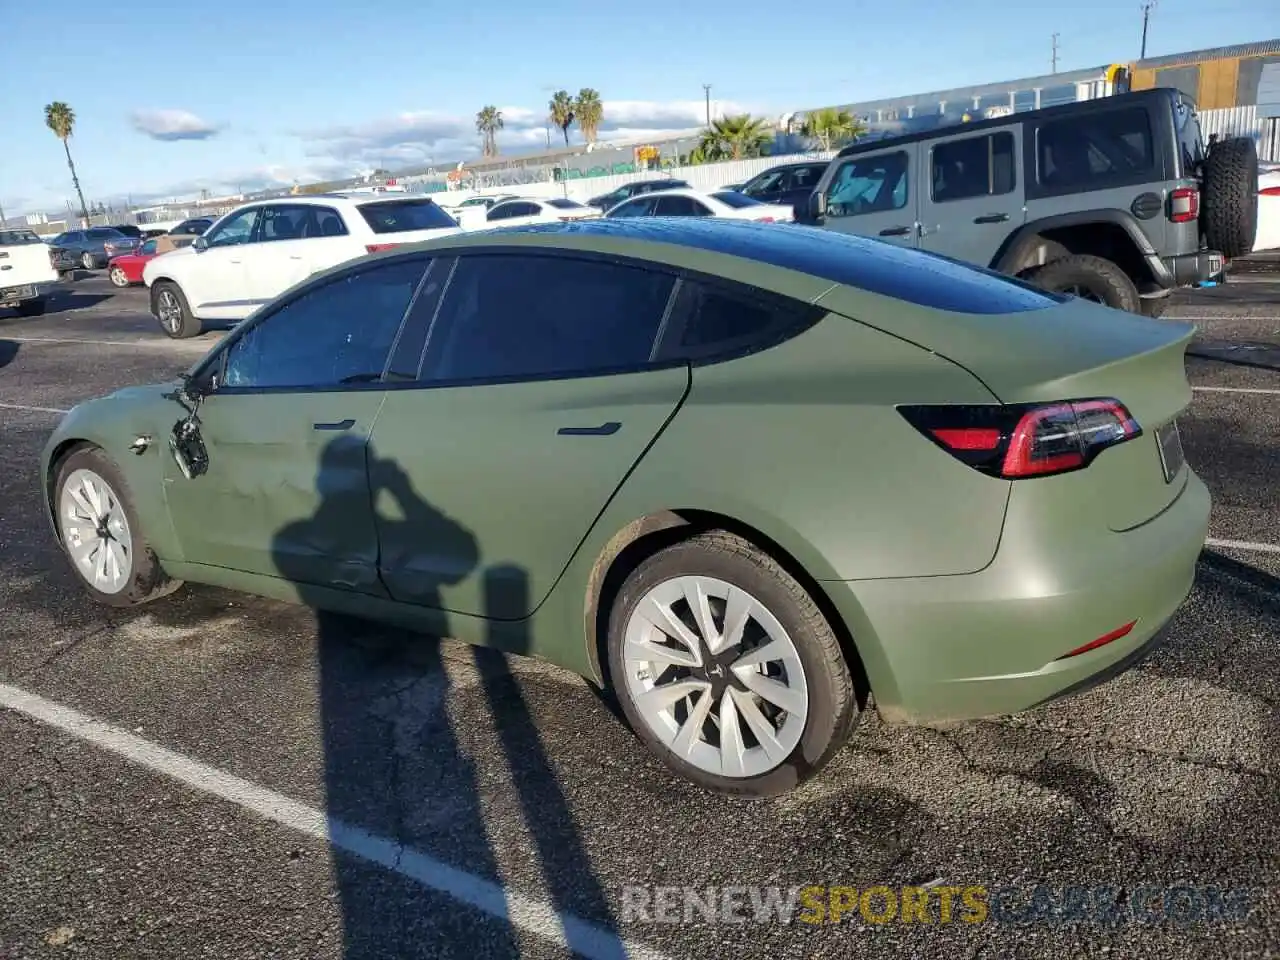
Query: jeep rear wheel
(1230, 203)
(1090, 278)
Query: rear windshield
(397, 216)
(13, 237)
(731, 198)
(562, 204)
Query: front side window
(282, 223)
(1096, 147)
(871, 184)
(770, 181)
(973, 167)
(677, 206)
(236, 229)
(640, 207)
(514, 316)
(336, 334)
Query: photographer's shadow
(394, 766)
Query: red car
(126, 269)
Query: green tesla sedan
(752, 479)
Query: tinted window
(771, 181)
(1102, 145)
(17, 237)
(561, 203)
(528, 316)
(869, 185)
(236, 229)
(716, 317)
(104, 233)
(736, 200)
(337, 333)
(148, 247)
(641, 207)
(282, 223)
(392, 216)
(505, 211)
(973, 167)
(680, 207)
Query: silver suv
(1117, 200)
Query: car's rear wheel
(1090, 278)
(34, 307)
(727, 669)
(87, 261)
(1230, 214)
(170, 307)
(118, 277)
(101, 533)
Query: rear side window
(397, 216)
(736, 200)
(575, 318)
(560, 203)
(104, 233)
(719, 320)
(973, 167)
(1092, 148)
(679, 206)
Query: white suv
(258, 251)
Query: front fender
(113, 423)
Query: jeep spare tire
(1229, 207)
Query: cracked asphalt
(515, 773)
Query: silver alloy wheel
(118, 277)
(715, 676)
(96, 531)
(170, 310)
(87, 261)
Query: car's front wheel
(101, 533)
(727, 669)
(170, 306)
(87, 261)
(118, 277)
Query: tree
(734, 138)
(488, 123)
(61, 119)
(590, 112)
(561, 112)
(831, 126)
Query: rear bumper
(1192, 268)
(26, 291)
(993, 642)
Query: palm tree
(590, 111)
(735, 137)
(61, 119)
(562, 112)
(830, 126)
(488, 123)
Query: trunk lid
(1068, 351)
(26, 263)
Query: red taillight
(1184, 204)
(1102, 641)
(379, 247)
(1269, 192)
(1028, 440)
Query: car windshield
(562, 204)
(396, 216)
(14, 237)
(731, 198)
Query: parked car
(259, 250)
(695, 203)
(90, 246)
(126, 269)
(520, 211)
(628, 190)
(714, 468)
(787, 183)
(128, 229)
(28, 271)
(126, 243)
(1268, 236)
(1114, 199)
(194, 227)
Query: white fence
(1244, 122)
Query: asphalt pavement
(215, 775)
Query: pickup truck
(28, 273)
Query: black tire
(87, 261)
(1095, 277)
(1229, 207)
(146, 581)
(184, 325)
(1154, 307)
(833, 706)
(32, 308)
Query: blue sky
(172, 97)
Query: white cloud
(172, 125)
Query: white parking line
(537, 917)
(113, 343)
(23, 406)
(1264, 390)
(1245, 545)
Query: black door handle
(992, 218)
(604, 430)
(895, 232)
(339, 425)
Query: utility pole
(706, 89)
(2, 217)
(1146, 17)
(1055, 53)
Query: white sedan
(1268, 236)
(518, 211)
(694, 203)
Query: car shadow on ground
(395, 766)
(8, 352)
(74, 300)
